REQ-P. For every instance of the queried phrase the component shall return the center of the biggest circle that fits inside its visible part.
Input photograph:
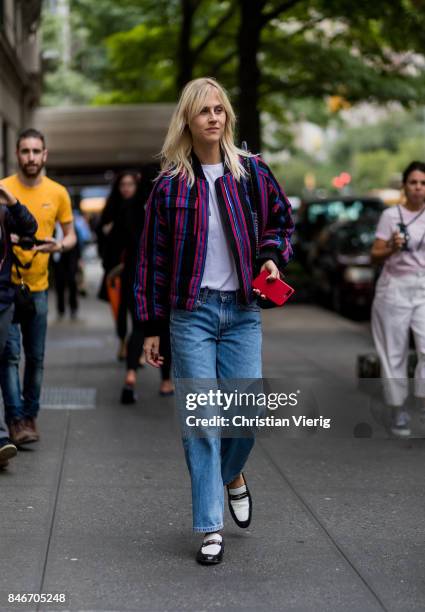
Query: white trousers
(399, 305)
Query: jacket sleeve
(151, 288)
(20, 221)
(275, 240)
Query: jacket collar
(197, 166)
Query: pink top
(403, 262)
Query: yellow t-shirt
(48, 202)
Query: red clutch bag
(277, 291)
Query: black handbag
(24, 300)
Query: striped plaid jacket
(173, 246)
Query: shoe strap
(210, 542)
(238, 496)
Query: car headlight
(357, 274)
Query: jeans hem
(233, 478)
(207, 529)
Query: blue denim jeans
(19, 405)
(221, 339)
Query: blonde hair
(176, 152)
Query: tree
(275, 57)
(374, 155)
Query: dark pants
(65, 271)
(124, 307)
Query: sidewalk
(100, 508)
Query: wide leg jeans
(221, 339)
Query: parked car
(341, 270)
(315, 215)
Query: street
(100, 510)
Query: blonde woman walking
(208, 233)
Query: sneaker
(30, 424)
(20, 434)
(400, 426)
(7, 451)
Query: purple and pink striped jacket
(173, 245)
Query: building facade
(20, 73)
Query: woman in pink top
(399, 303)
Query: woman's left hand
(273, 271)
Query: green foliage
(385, 134)
(66, 87)
(64, 84)
(291, 174)
(142, 46)
(375, 155)
(373, 169)
(131, 51)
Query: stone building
(20, 72)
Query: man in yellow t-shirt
(49, 203)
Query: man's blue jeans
(20, 405)
(221, 339)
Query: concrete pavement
(100, 508)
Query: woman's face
(414, 187)
(128, 186)
(207, 126)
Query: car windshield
(354, 239)
(339, 210)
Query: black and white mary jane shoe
(213, 556)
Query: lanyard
(418, 248)
(411, 220)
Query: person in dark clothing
(65, 267)
(127, 215)
(14, 219)
(112, 240)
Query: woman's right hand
(383, 249)
(151, 350)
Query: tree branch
(285, 6)
(216, 67)
(214, 31)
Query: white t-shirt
(220, 268)
(404, 262)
